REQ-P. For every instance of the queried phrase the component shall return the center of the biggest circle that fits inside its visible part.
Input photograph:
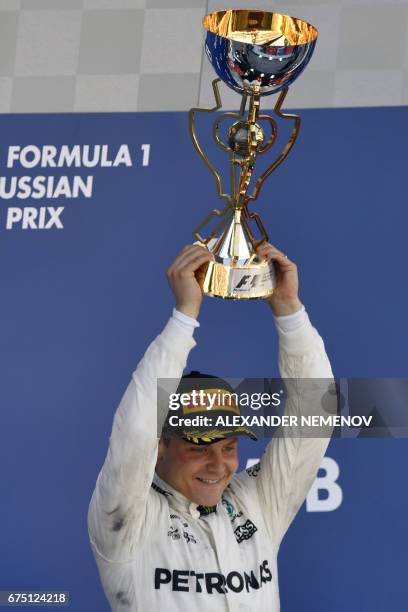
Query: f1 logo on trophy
(255, 53)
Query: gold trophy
(256, 53)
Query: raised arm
(291, 460)
(122, 508)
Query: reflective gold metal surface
(256, 53)
(260, 28)
(221, 280)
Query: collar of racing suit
(179, 502)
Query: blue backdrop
(80, 304)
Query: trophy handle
(246, 217)
(273, 136)
(287, 148)
(224, 215)
(193, 134)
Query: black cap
(207, 398)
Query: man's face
(200, 473)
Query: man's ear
(163, 443)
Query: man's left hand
(285, 298)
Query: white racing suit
(153, 549)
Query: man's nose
(215, 462)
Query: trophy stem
(247, 163)
(236, 244)
(253, 108)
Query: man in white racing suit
(172, 527)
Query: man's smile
(210, 481)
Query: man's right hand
(186, 275)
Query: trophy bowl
(256, 48)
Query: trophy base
(248, 281)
